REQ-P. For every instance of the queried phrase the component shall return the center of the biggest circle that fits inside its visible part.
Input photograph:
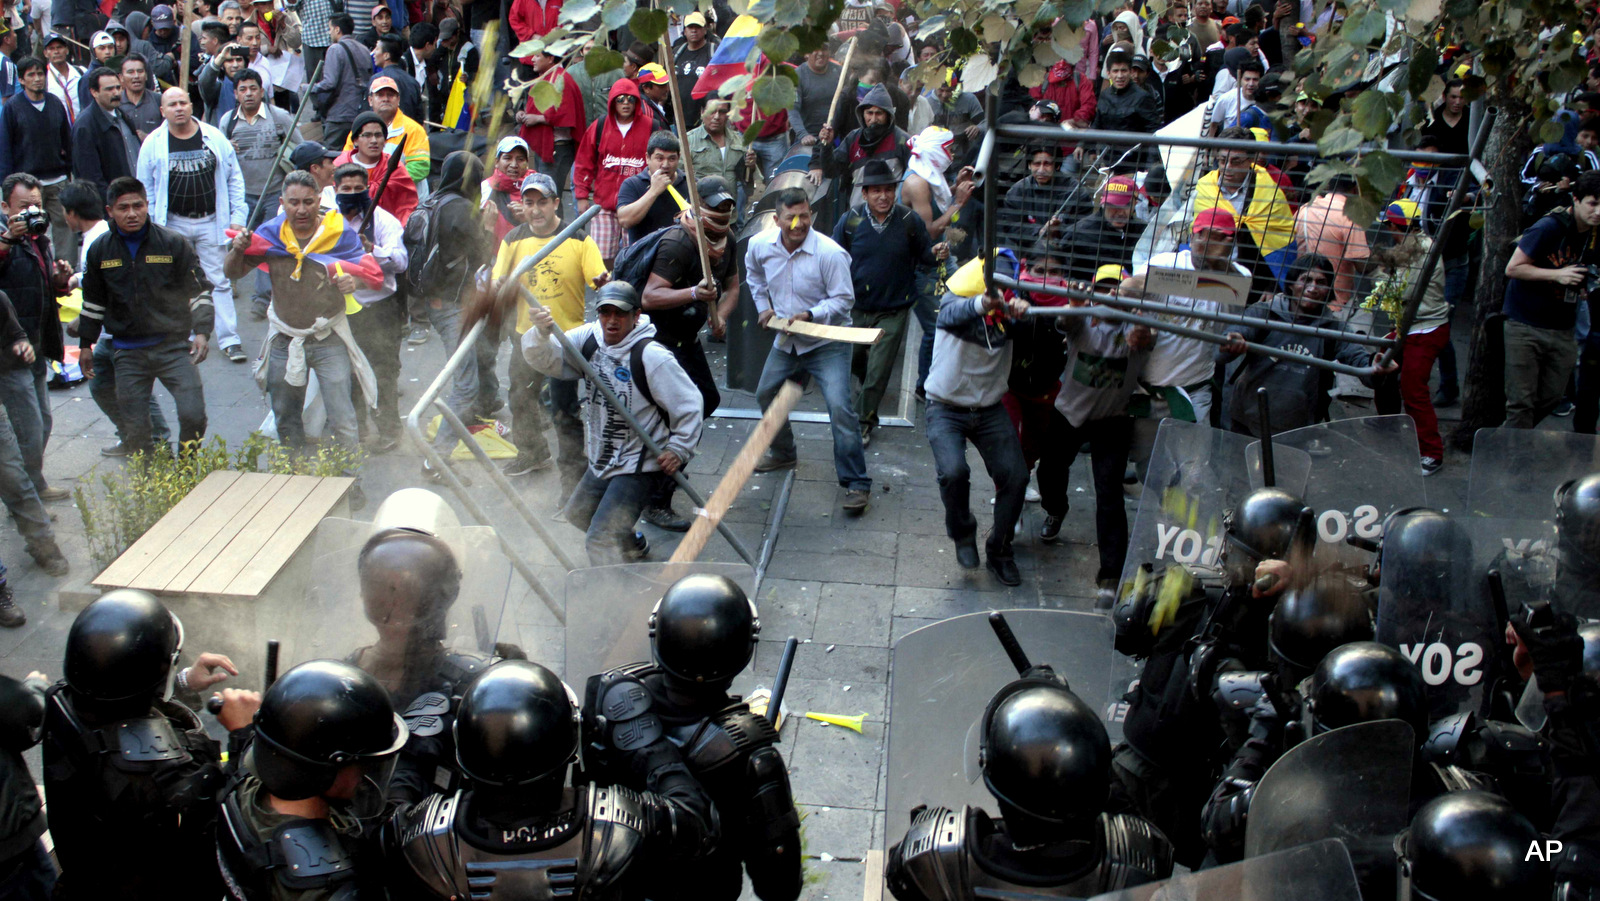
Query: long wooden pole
(844, 78)
(688, 174)
(728, 489)
(186, 35)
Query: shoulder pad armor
(730, 735)
(149, 739)
(1445, 735)
(625, 705)
(425, 837)
(617, 829)
(931, 862)
(426, 716)
(1239, 691)
(1136, 852)
(1512, 738)
(312, 855)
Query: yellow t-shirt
(559, 279)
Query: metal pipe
(990, 202)
(575, 358)
(1408, 314)
(1096, 136)
(1292, 328)
(1107, 313)
(769, 541)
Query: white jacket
(231, 207)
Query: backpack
(635, 363)
(634, 263)
(429, 271)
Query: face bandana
(352, 204)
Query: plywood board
(222, 570)
(170, 528)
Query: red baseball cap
(1216, 218)
(1119, 191)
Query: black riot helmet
(703, 630)
(1435, 552)
(1046, 759)
(123, 647)
(1590, 633)
(1471, 844)
(1578, 517)
(1312, 620)
(1365, 681)
(1266, 524)
(316, 720)
(517, 725)
(409, 580)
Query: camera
(34, 220)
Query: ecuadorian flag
(333, 244)
(457, 111)
(729, 60)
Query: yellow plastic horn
(833, 719)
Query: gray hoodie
(346, 69)
(1297, 392)
(674, 420)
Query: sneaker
(54, 493)
(1032, 496)
(419, 335)
(856, 500)
(1051, 530)
(1562, 409)
(771, 463)
(665, 518)
(115, 450)
(1105, 595)
(48, 555)
(1431, 465)
(11, 616)
(521, 466)
(1446, 397)
(640, 549)
(1004, 569)
(235, 353)
(383, 444)
(967, 553)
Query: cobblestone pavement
(847, 586)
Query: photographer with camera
(1553, 269)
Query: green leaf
(790, 12)
(1383, 171)
(1424, 59)
(1424, 12)
(601, 60)
(1363, 27)
(1338, 141)
(579, 11)
(546, 96)
(978, 72)
(681, 7)
(1360, 209)
(778, 44)
(1551, 131)
(1343, 66)
(810, 37)
(931, 27)
(1370, 115)
(528, 48)
(1566, 77)
(1032, 75)
(996, 28)
(764, 10)
(648, 25)
(616, 13)
(754, 131)
(773, 93)
(1076, 11)
(962, 44)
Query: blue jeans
(926, 310)
(137, 371)
(829, 364)
(330, 360)
(103, 388)
(991, 432)
(17, 490)
(769, 153)
(606, 509)
(471, 380)
(26, 397)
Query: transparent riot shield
(1437, 605)
(608, 613)
(1353, 783)
(1196, 474)
(942, 678)
(1316, 872)
(1515, 472)
(1361, 470)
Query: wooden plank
(253, 579)
(168, 529)
(220, 572)
(842, 333)
(248, 496)
(872, 884)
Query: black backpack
(429, 272)
(634, 263)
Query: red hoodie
(530, 20)
(1073, 94)
(606, 157)
(567, 114)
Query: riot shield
(1515, 472)
(1361, 470)
(1196, 474)
(1351, 783)
(608, 613)
(1436, 603)
(942, 678)
(1315, 872)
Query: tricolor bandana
(335, 245)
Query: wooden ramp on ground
(230, 537)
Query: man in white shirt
(1228, 111)
(62, 76)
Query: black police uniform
(24, 866)
(271, 856)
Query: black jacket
(26, 279)
(34, 141)
(1093, 243)
(161, 291)
(880, 260)
(21, 815)
(1298, 391)
(1131, 109)
(100, 147)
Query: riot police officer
(1577, 504)
(26, 873)
(703, 632)
(310, 788)
(1470, 844)
(1046, 759)
(518, 830)
(131, 776)
(1160, 771)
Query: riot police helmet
(1365, 681)
(1046, 758)
(703, 631)
(1590, 633)
(517, 725)
(1577, 504)
(1472, 844)
(1269, 524)
(1313, 619)
(316, 720)
(409, 580)
(122, 647)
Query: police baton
(214, 703)
(1008, 640)
(781, 683)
